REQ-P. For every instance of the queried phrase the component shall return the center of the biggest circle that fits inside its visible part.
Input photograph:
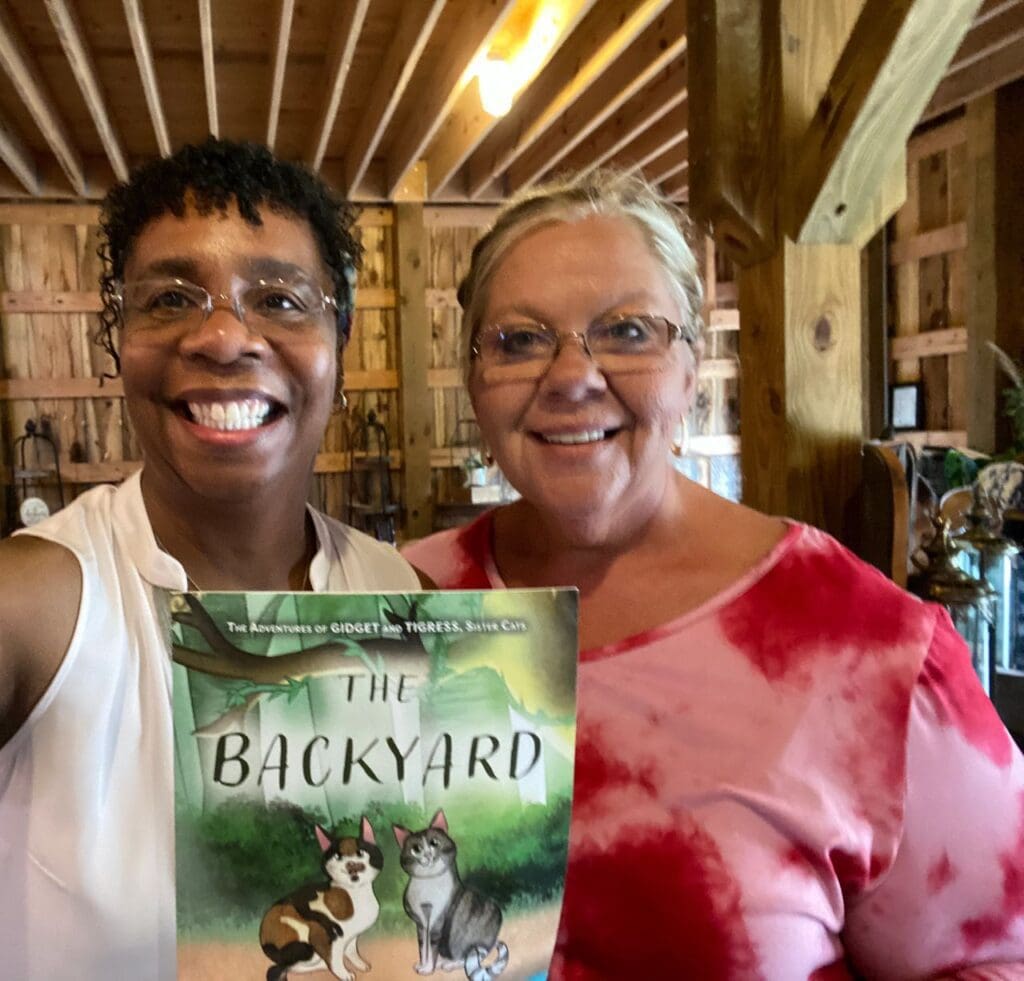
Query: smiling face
(223, 410)
(580, 445)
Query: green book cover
(372, 786)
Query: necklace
(194, 587)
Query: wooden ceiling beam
(72, 39)
(668, 163)
(640, 64)
(650, 147)
(1001, 66)
(416, 24)
(147, 73)
(468, 124)
(989, 36)
(345, 35)
(663, 99)
(610, 28)
(895, 56)
(19, 160)
(422, 119)
(209, 67)
(34, 93)
(282, 38)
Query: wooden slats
(424, 116)
(468, 124)
(33, 90)
(281, 38)
(345, 31)
(929, 343)
(936, 140)
(653, 52)
(69, 31)
(949, 238)
(209, 68)
(988, 36)
(147, 73)
(610, 28)
(411, 34)
(16, 155)
(1001, 65)
(660, 105)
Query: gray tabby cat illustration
(456, 926)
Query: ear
(400, 834)
(440, 821)
(366, 831)
(323, 838)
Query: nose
(223, 337)
(354, 868)
(573, 373)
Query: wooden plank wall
(50, 365)
(927, 260)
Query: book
(372, 785)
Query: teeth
(230, 416)
(589, 436)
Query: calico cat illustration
(316, 926)
(456, 926)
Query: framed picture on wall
(906, 406)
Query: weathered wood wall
(927, 259)
(50, 365)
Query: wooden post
(995, 256)
(874, 274)
(790, 98)
(414, 343)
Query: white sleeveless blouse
(87, 783)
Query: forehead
(599, 256)
(223, 242)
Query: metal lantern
(988, 556)
(968, 600)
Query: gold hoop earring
(342, 401)
(681, 443)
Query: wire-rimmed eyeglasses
(525, 350)
(282, 303)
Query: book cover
(372, 786)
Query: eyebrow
(256, 267)
(527, 310)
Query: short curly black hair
(209, 176)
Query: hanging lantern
(968, 600)
(988, 556)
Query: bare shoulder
(38, 610)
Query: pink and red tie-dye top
(799, 779)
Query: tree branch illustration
(226, 660)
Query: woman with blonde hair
(785, 766)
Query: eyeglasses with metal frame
(266, 303)
(622, 344)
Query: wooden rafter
(650, 147)
(15, 154)
(642, 62)
(668, 163)
(414, 28)
(895, 55)
(468, 124)
(676, 184)
(1001, 64)
(209, 68)
(282, 37)
(72, 38)
(987, 36)
(345, 35)
(29, 83)
(610, 28)
(439, 95)
(147, 74)
(663, 99)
